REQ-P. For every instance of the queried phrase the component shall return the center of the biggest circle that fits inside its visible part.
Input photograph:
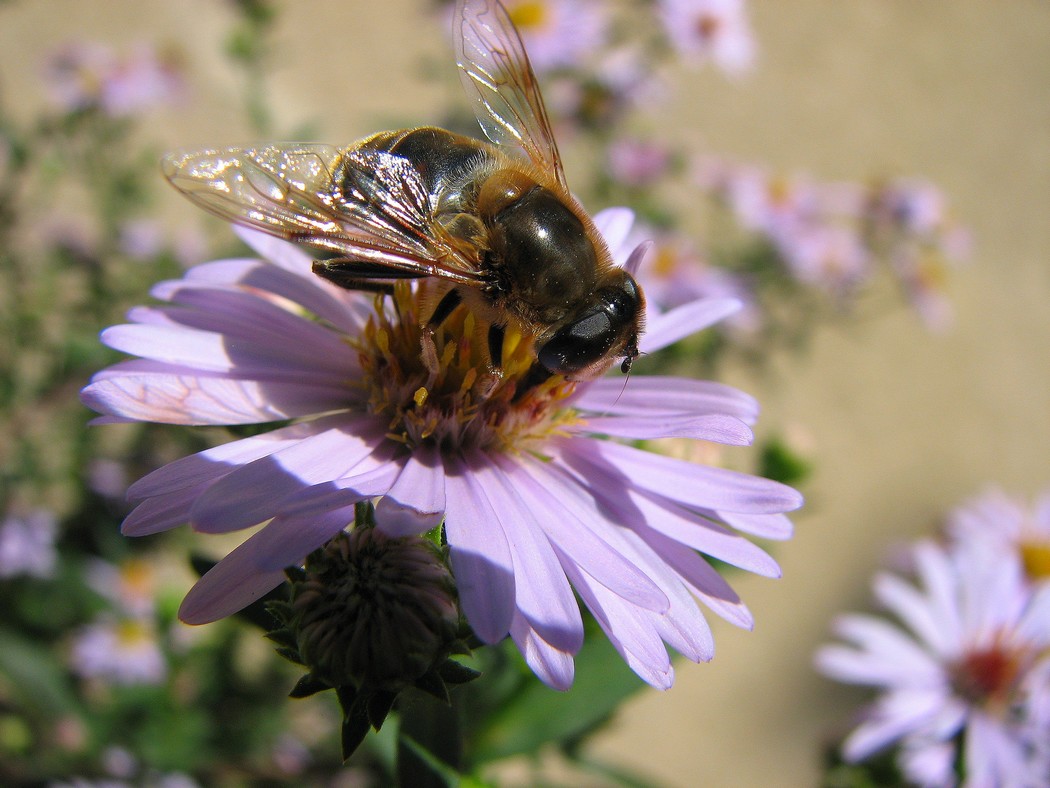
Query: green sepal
(308, 685)
(355, 728)
(432, 684)
(283, 637)
(456, 673)
(378, 705)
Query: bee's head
(606, 328)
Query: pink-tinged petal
(705, 583)
(415, 502)
(614, 224)
(553, 667)
(201, 399)
(648, 395)
(665, 329)
(765, 526)
(720, 429)
(253, 492)
(687, 483)
(212, 464)
(573, 525)
(542, 591)
(480, 555)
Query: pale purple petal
(211, 352)
(764, 526)
(661, 394)
(667, 328)
(231, 585)
(719, 429)
(199, 398)
(345, 311)
(212, 464)
(628, 628)
(257, 565)
(893, 716)
(481, 558)
(687, 483)
(886, 656)
(701, 579)
(912, 608)
(543, 594)
(253, 492)
(251, 320)
(573, 524)
(615, 225)
(162, 512)
(415, 502)
(553, 667)
(702, 534)
(369, 480)
(683, 626)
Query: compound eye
(580, 344)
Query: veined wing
(498, 79)
(368, 206)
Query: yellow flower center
(529, 15)
(1035, 553)
(132, 634)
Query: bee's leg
(354, 275)
(496, 333)
(444, 308)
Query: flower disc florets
(438, 386)
(373, 611)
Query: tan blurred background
(903, 424)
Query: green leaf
(36, 676)
(538, 715)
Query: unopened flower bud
(375, 612)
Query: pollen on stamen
(437, 385)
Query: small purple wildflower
(27, 545)
(965, 679)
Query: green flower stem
(430, 745)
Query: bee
(494, 221)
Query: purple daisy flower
(541, 491)
(969, 670)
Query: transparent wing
(368, 206)
(498, 79)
